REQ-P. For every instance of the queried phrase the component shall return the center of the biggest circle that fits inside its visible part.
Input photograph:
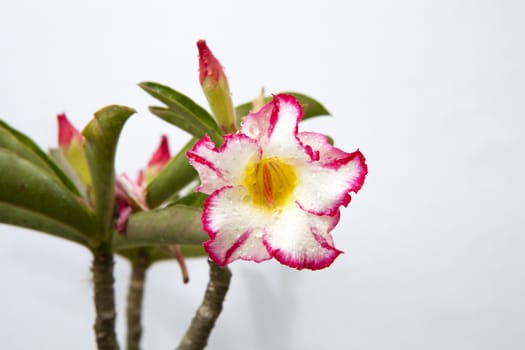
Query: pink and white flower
(274, 191)
(130, 195)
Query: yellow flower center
(270, 182)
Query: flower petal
(124, 211)
(130, 191)
(325, 184)
(157, 162)
(275, 128)
(302, 240)
(161, 156)
(320, 145)
(234, 227)
(255, 125)
(224, 166)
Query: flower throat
(270, 182)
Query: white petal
(224, 166)
(324, 185)
(302, 240)
(255, 125)
(130, 190)
(234, 226)
(275, 128)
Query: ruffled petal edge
(343, 173)
(233, 227)
(312, 248)
(223, 166)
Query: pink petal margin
(218, 167)
(222, 261)
(282, 101)
(334, 159)
(304, 255)
(313, 262)
(354, 185)
(267, 118)
(206, 212)
(225, 252)
(193, 154)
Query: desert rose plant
(250, 184)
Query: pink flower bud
(67, 133)
(158, 160)
(161, 155)
(71, 142)
(210, 69)
(215, 86)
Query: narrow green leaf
(58, 156)
(178, 224)
(311, 107)
(102, 135)
(47, 204)
(178, 102)
(22, 145)
(189, 124)
(27, 218)
(176, 175)
(184, 107)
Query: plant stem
(139, 267)
(197, 335)
(104, 298)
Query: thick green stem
(135, 296)
(197, 335)
(104, 298)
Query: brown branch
(104, 298)
(197, 335)
(135, 296)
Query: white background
(432, 92)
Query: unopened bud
(71, 143)
(215, 86)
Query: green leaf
(31, 197)
(102, 135)
(177, 224)
(60, 159)
(188, 251)
(22, 145)
(311, 107)
(194, 199)
(191, 125)
(176, 175)
(13, 215)
(185, 113)
(193, 251)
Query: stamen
(270, 182)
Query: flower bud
(215, 86)
(71, 143)
(158, 160)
